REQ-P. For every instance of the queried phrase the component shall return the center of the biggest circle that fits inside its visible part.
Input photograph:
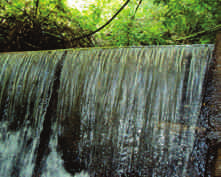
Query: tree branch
(136, 9)
(36, 7)
(213, 29)
(130, 24)
(111, 19)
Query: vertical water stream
(119, 112)
(26, 86)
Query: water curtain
(109, 112)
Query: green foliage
(40, 25)
(186, 17)
(155, 22)
(164, 22)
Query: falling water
(113, 112)
(26, 86)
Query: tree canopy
(52, 24)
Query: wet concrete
(68, 143)
(212, 111)
(216, 119)
(104, 151)
(43, 149)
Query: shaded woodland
(54, 24)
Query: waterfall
(103, 112)
(26, 86)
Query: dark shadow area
(43, 148)
(68, 143)
(209, 112)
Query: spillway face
(107, 112)
(25, 90)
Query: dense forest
(55, 24)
